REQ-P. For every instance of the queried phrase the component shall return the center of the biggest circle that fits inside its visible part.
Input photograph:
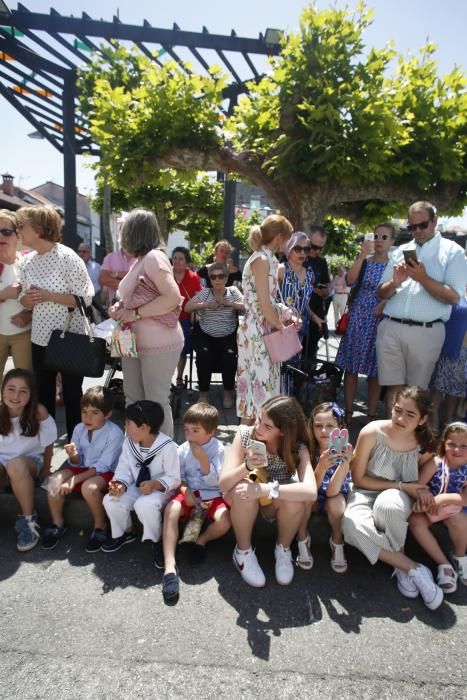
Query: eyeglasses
(316, 247)
(453, 446)
(423, 225)
(7, 232)
(217, 277)
(301, 249)
(381, 236)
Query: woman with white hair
(150, 300)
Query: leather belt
(409, 322)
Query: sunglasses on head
(301, 249)
(7, 232)
(423, 225)
(220, 276)
(316, 247)
(381, 236)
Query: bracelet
(246, 466)
(274, 490)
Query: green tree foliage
(333, 129)
(192, 204)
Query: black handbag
(79, 354)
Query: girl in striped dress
(385, 468)
(447, 480)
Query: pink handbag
(283, 344)
(145, 292)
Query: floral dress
(258, 379)
(357, 349)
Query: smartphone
(259, 449)
(370, 237)
(410, 255)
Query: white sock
(243, 551)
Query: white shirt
(62, 271)
(10, 307)
(165, 465)
(15, 444)
(94, 269)
(444, 262)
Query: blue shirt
(444, 262)
(190, 470)
(103, 451)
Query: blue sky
(408, 22)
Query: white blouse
(10, 307)
(61, 271)
(15, 444)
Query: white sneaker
(431, 593)
(284, 566)
(248, 568)
(405, 584)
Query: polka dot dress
(60, 270)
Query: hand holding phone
(256, 454)
(410, 255)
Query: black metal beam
(27, 79)
(111, 30)
(28, 116)
(29, 58)
(29, 98)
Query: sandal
(305, 558)
(170, 586)
(338, 560)
(460, 564)
(446, 578)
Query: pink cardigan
(152, 336)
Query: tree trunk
(106, 209)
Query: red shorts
(107, 476)
(216, 504)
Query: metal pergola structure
(41, 53)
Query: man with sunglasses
(421, 283)
(319, 302)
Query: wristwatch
(138, 316)
(274, 490)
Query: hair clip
(337, 411)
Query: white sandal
(446, 578)
(338, 560)
(305, 558)
(460, 564)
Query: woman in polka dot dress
(50, 276)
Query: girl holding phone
(290, 485)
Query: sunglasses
(217, 277)
(422, 226)
(301, 249)
(381, 236)
(316, 247)
(7, 232)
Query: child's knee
(91, 489)
(173, 510)
(335, 505)
(146, 508)
(17, 468)
(418, 521)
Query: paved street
(75, 625)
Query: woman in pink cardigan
(150, 300)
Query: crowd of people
(406, 331)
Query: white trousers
(147, 508)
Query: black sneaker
(113, 544)
(170, 587)
(158, 555)
(51, 536)
(197, 555)
(97, 539)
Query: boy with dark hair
(92, 457)
(201, 461)
(147, 473)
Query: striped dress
(376, 520)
